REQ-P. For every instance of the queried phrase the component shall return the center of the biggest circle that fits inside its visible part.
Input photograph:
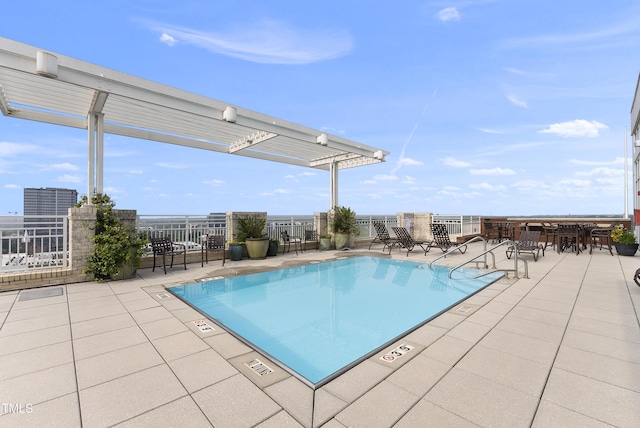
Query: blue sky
(488, 107)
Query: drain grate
(40, 293)
(203, 326)
(260, 368)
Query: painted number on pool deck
(396, 353)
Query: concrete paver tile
(182, 412)
(162, 328)
(64, 408)
(106, 342)
(382, 406)
(202, 369)
(121, 399)
(34, 339)
(483, 402)
(33, 360)
(593, 398)
(235, 402)
(419, 375)
(101, 325)
(620, 349)
(111, 365)
(425, 414)
(179, 345)
(357, 381)
(40, 386)
(551, 415)
(280, 420)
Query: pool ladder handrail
(484, 254)
(475, 238)
(490, 251)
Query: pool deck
(561, 348)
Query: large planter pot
(127, 270)
(342, 240)
(273, 248)
(626, 249)
(235, 252)
(325, 244)
(257, 247)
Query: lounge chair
(441, 239)
(212, 243)
(382, 236)
(407, 242)
(287, 240)
(166, 247)
(529, 242)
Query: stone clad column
(82, 223)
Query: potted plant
(251, 231)
(343, 225)
(273, 247)
(325, 242)
(236, 248)
(117, 248)
(624, 240)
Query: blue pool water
(318, 319)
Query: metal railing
(40, 242)
(459, 225)
(34, 242)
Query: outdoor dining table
(573, 235)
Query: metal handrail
(490, 250)
(475, 238)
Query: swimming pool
(322, 318)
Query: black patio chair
(287, 240)
(529, 242)
(568, 236)
(166, 247)
(601, 234)
(212, 243)
(382, 236)
(441, 239)
(407, 242)
(311, 236)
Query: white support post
(99, 151)
(333, 174)
(91, 155)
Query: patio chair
(212, 243)
(636, 277)
(568, 236)
(442, 241)
(550, 234)
(601, 234)
(382, 236)
(166, 247)
(311, 236)
(529, 242)
(490, 230)
(407, 242)
(287, 240)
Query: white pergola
(48, 87)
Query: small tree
(114, 244)
(344, 221)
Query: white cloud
(11, 149)
(492, 171)
(489, 187)
(408, 180)
(602, 171)
(170, 165)
(385, 177)
(268, 42)
(12, 186)
(369, 182)
(214, 183)
(409, 162)
(167, 39)
(490, 131)
(448, 14)
(68, 179)
(516, 102)
(455, 162)
(576, 128)
(64, 167)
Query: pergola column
(333, 177)
(95, 127)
